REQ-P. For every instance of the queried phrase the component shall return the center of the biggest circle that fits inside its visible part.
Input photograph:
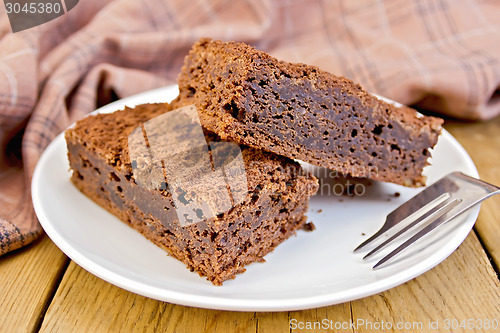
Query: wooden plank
(464, 286)
(28, 279)
(85, 303)
(272, 322)
(320, 319)
(482, 142)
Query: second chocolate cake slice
(305, 113)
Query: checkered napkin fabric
(443, 55)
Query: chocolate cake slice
(304, 113)
(215, 242)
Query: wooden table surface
(42, 290)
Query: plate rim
(213, 301)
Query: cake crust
(302, 112)
(217, 248)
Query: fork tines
(434, 206)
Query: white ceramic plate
(309, 270)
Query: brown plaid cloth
(443, 55)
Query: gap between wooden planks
(29, 278)
(463, 286)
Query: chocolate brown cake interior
(302, 112)
(218, 248)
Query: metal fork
(438, 204)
